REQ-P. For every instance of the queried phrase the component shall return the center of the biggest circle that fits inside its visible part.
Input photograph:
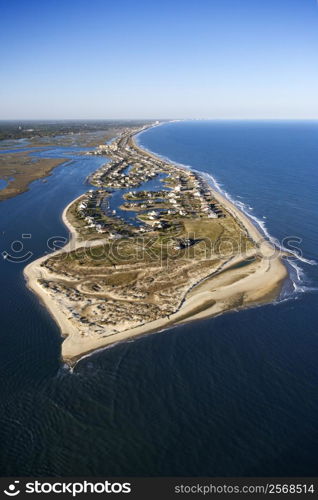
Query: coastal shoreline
(261, 286)
(19, 182)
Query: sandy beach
(228, 287)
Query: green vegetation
(33, 128)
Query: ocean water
(231, 396)
(3, 184)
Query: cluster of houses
(124, 158)
(188, 197)
(186, 194)
(89, 209)
(122, 173)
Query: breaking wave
(297, 275)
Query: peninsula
(152, 245)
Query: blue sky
(163, 59)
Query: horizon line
(163, 119)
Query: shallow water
(3, 184)
(234, 395)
